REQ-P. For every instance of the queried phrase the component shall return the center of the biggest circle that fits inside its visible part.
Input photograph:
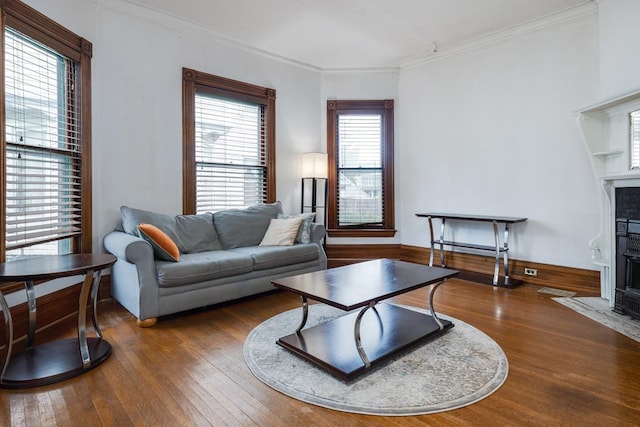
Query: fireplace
(627, 289)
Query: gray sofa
(220, 259)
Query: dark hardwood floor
(188, 370)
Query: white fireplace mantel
(604, 129)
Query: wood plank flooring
(188, 370)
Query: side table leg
(31, 306)
(8, 327)
(82, 319)
(305, 313)
(94, 297)
(432, 292)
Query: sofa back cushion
(238, 228)
(131, 218)
(191, 233)
(197, 233)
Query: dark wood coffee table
(354, 343)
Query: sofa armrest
(130, 248)
(134, 282)
(318, 232)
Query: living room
(487, 126)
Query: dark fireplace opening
(627, 291)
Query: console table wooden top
(483, 218)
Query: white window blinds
(231, 161)
(43, 199)
(360, 189)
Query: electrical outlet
(530, 272)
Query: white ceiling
(348, 34)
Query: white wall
(492, 131)
(137, 101)
(619, 22)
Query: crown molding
(548, 21)
(157, 16)
(132, 8)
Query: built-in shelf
(607, 153)
(612, 102)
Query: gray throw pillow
(304, 233)
(239, 228)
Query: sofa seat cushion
(202, 266)
(266, 257)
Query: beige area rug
(456, 369)
(598, 309)
(556, 292)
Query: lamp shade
(314, 165)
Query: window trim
(193, 80)
(34, 24)
(386, 108)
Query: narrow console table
(58, 360)
(498, 249)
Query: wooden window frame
(39, 27)
(192, 80)
(386, 109)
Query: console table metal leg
(433, 246)
(496, 269)
(442, 243)
(431, 308)
(94, 297)
(8, 328)
(506, 254)
(82, 319)
(305, 313)
(31, 306)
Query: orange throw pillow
(163, 247)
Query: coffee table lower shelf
(385, 332)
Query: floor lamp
(314, 185)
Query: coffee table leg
(305, 313)
(356, 333)
(433, 311)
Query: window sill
(361, 232)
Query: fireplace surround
(604, 129)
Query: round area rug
(456, 369)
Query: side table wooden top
(53, 266)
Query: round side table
(58, 360)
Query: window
(46, 137)
(360, 149)
(229, 143)
(634, 136)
